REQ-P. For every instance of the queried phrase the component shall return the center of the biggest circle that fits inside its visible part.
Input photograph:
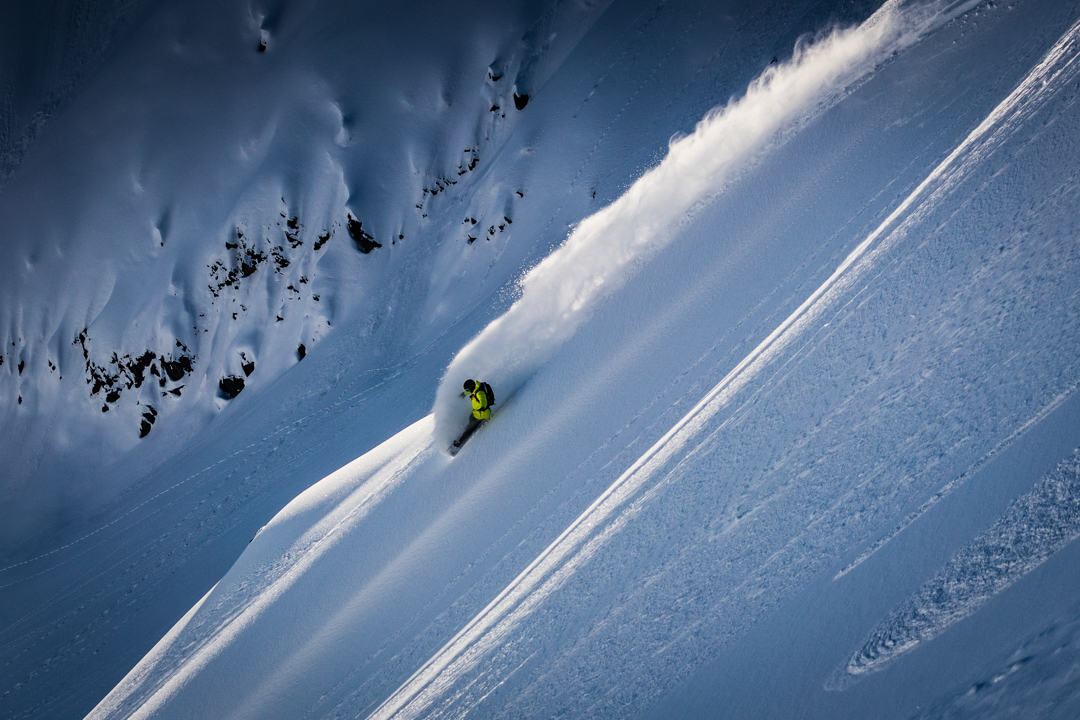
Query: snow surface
(780, 303)
(1035, 527)
(562, 291)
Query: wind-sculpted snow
(1035, 526)
(261, 213)
(564, 290)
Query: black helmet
(470, 385)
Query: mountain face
(231, 184)
(779, 302)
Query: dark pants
(470, 428)
(473, 424)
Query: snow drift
(601, 253)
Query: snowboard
(456, 446)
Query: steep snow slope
(562, 292)
(119, 222)
(815, 458)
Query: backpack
(489, 392)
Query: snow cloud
(602, 252)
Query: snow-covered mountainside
(229, 187)
(780, 302)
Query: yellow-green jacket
(480, 409)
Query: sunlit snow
(780, 303)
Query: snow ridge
(268, 573)
(1034, 527)
(602, 252)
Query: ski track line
(123, 561)
(547, 497)
(638, 31)
(955, 483)
(373, 490)
(574, 546)
(1027, 95)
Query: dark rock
(248, 367)
(144, 429)
(231, 386)
(301, 351)
(112, 396)
(104, 408)
(138, 368)
(178, 368)
(250, 261)
(364, 242)
(22, 364)
(520, 101)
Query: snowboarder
(482, 398)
